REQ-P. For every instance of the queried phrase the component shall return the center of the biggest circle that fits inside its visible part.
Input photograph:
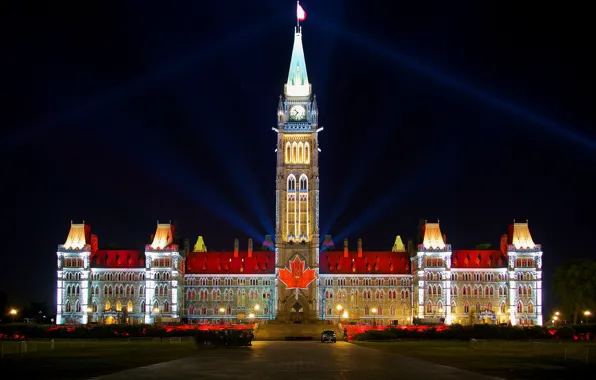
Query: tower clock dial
(297, 113)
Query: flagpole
(297, 19)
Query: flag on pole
(300, 14)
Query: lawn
(512, 360)
(85, 359)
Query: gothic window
(166, 307)
(466, 308)
(118, 305)
(489, 307)
(67, 307)
(478, 307)
(229, 309)
(366, 310)
(108, 305)
(520, 307)
(529, 291)
(142, 290)
(530, 308)
(94, 307)
(303, 209)
(143, 307)
(300, 158)
(293, 158)
(439, 290)
(129, 306)
(306, 153)
(429, 307)
(191, 309)
(165, 290)
(288, 154)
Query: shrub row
(31, 331)
(459, 332)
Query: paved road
(295, 360)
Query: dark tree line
(575, 284)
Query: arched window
(300, 152)
(156, 305)
(520, 307)
(489, 306)
(94, 307)
(129, 306)
(67, 307)
(288, 155)
(306, 153)
(439, 290)
(466, 308)
(143, 307)
(108, 305)
(118, 305)
(429, 307)
(166, 307)
(78, 306)
(529, 291)
(294, 153)
(503, 307)
(530, 308)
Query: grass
(512, 360)
(86, 359)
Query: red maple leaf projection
(297, 277)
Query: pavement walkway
(295, 360)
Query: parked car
(328, 336)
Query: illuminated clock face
(297, 113)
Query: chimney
(345, 247)
(504, 239)
(359, 247)
(249, 247)
(94, 243)
(236, 247)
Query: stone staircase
(278, 330)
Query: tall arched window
(294, 152)
(530, 308)
(303, 209)
(300, 152)
(520, 307)
(94, 307)
(129, 306)
(67, 307)
(292, 212)
(118, 305)
(108, 305)
(166, 307)
(78, 306)
(288, 153)
(306, 153)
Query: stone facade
(429, 283)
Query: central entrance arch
(297, 312)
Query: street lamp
(374, 313)
(257, 307)
(13, 312)
(156, 312)
(251, 316)
(587, 313)
(339, 309)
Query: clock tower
(297, 185)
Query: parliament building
(297, 274)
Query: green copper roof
(297, 84)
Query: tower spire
(297, 84)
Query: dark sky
(123, 113)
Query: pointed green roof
(297, 84)
(200, 245)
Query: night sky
(475, 113)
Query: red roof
(369, 263)
(474, 258)
(117, 258)
(226, 263)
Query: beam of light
(406, 189)
(240, 173)
(112, 96)
(165, 168)
(373, 147)
(454, 83)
